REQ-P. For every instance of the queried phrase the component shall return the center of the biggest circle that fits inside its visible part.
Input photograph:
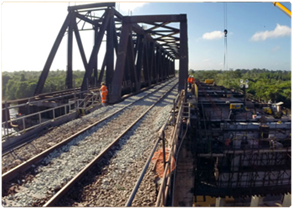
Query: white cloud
(276, 48)
(125, 7)
(206, 60)
(279, 31)
(213, 35)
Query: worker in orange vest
(103, 92)
(189, 81)
(192, 80)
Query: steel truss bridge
(144, 56)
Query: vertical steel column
(183, 54)
(157, 73)
(159, 69)
(115, 94)
(44, 74)
(151, 66)
(146, 67)
(162, 65)
(139, 57)
(169, 67)
(165, 65)
(110, 50)
(130, 64)
(69, 53)
(95, 51)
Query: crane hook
(225, 32)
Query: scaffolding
(239, 159)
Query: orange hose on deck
(158, 160)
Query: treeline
(22, 84)
(263, 84)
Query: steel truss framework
(143, 56)
(244, 174)
(224, 170)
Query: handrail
(75, 102)
(177, 157)
(40, 119)
(161, 198)
(43, 100)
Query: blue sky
(259, 34)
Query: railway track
(67, 163)
(58, 134)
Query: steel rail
(43, 124)
(71, 183)
(27, 164)
(139, 180)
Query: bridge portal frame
(143, 56)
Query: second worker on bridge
(103, 93)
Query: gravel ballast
(63, 163)
(58, 134)
(113, 187)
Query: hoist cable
(225, 36)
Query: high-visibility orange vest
(192, 80)
(104, 92)
(188, 80)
